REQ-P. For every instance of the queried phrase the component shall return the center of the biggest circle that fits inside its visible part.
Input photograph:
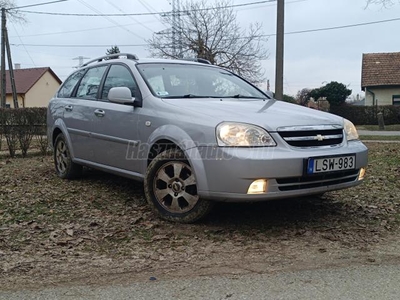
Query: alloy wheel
(175, 187)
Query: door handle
(99, 112)
(68, 107)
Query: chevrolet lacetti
(195, 133)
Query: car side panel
(78, 118)
(113, 134)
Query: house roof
(25, 79)
(380, 69)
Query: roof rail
(203, 61)
(199, 60)
(112, 56)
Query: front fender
(189, 147)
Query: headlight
(351, 131)
(243, 135)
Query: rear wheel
(65, 167)
(171, 188)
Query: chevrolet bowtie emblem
(320, 137)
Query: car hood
(270, 114)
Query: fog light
(258, 186)
(362, 174)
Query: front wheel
(171, 190)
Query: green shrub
(367, 115)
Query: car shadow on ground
(326, 211)
(292, 212)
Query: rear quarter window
(69, 84)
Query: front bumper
(228, 172)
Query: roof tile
(26, 78)
(380, 69)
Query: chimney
(17, 66)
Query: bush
(367, 115)
(19, 126)
(10, 131)
(41, 128)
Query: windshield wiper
(183, 96)
(237, 96)
(192, 96)
(189, 96)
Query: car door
(78, 113)
(115, 126)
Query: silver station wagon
(195, 133)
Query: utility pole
(5, 45)
(11, 70)
(3, 58)
(176, 28)
(280, 30)
(80, 59)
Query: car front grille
(314, 181)
(312, 136)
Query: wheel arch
(171, 136)
(59, 127)
(56, 132)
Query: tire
(171, 191)
(65, 167)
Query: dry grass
(53, 228)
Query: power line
(26, 50)
(288, 2)
(143, 14)
(136, 22)
(263, 35)
(76, 46)
(332, 28)
(109, 19)
(341, 27)
(149, 8)
(38, 4)
(83, 30)
(125, 25)
(59, 56)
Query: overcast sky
(311, 59)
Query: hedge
(19, 126)
(367, 115)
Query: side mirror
(121, 95)
(269, 94)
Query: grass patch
(376, 127)
(102, 214)
(380, 137)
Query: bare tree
(13, 14)
(303, 96)
(385, 3)
(213, 33)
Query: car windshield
(168, 80)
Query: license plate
(331, 164)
